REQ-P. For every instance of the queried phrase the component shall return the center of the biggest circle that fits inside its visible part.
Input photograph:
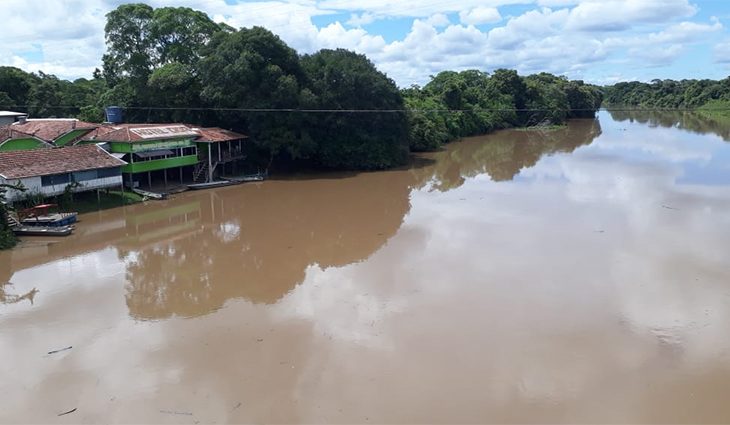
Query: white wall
(33, 184)
(7, 120)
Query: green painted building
(153, 152)
(22, 144)
(168, 151)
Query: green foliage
(15, 84)
(174, 64)
(467, 103)
(255, 69)
(130, 47)
(66, 199)
(180, 33)
(7, 237)
(668, 94)
(344, 80)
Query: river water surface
(575, 275)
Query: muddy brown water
(577, 275)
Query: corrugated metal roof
(12, 114)
(140, 132)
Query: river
(572, 275)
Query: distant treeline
(670, 94)
(174, 64)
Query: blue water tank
(113, 114)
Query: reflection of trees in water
(502, 155)
(256, 242)
(685, 120)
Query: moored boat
(209, 185)
(40, 216)
(150, 195)
(247, 178)
(42, 230)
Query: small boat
(149, 195)
(39, 216)
(209, 185)
(42, 230)
(248, 178)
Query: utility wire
(355, 111)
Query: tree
(344, 80)
(7, 237)
(179, 34)
(16, 84)
(130, 46)
(507, 82)
(254, 69)
(175, 85)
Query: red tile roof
(7, 132)
(216, 134)
(48, 129)
(51, 129)
(43, 162)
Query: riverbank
(716, 109)
(88, 202)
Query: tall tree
(131, 49)
(16, 84)
(344, 80)
(254, 69)
(180, 33)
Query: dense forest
(330, 109)
(707, 95)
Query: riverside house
(50, 171)
(42, 133)
(151, 152)
(168, 151)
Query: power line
(353, 111)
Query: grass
(88, 202)
(551, 127)
(716, 110)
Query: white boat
(209, 185)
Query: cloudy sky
(600, 41)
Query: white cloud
(685, 32)
(561, 36)
(480, 16)
(532, 25)
(438, 20)
(414, 8)
(721, 52)
(615, 15)
(361, 19)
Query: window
(55, 179)
(109, 172)
(82, 176)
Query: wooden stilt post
(149, 179)
(210, 165)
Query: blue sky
(600, 41)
